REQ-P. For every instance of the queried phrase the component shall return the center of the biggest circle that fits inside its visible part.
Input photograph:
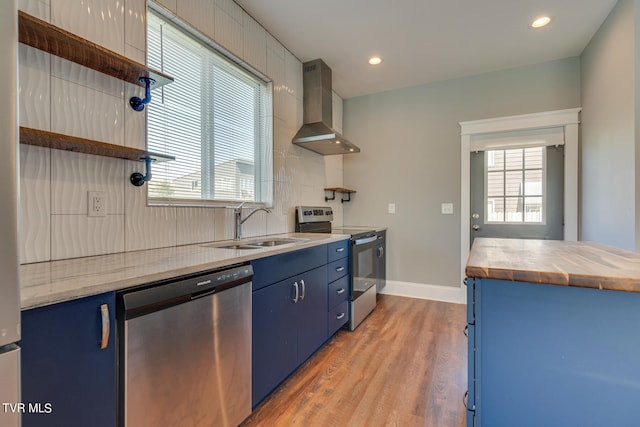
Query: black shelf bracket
(333, 197)
(137, 178)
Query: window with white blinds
(214, 118)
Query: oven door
(364, 263)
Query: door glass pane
(515, 185)
(533, 209)
(495, 209)
(513, 159)
(495, 183)
(513, 209)
(533, 182)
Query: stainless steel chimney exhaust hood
(317, 133)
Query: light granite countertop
(57, 281)
(555, 262)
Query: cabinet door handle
(104, 312)
(466, 331)
(339, 269)
(465, 399)
(304, 290)
(295, 300)
(339, 316)
(340, 291)
(340, 250)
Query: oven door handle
(365, 240)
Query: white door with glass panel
(517, 192)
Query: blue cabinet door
(274, 344)
(66, 376)
(312, 313)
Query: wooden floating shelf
(59, 141)
(335, 190)
(56, 41)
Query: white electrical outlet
(97, 203)
(392, 208)
(446, 208)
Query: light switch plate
(392, 208)
(447, 208)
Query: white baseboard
(456, 295)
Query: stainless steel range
(367, 258)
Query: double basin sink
(256, 244)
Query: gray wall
(410, 141)
(608, 156)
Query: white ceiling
(423, 41)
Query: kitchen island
(553, 334)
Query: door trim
(569, 119)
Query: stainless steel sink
(233, 246)
(230, 246)
(254, 244)
(277, 242)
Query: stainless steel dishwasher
(185, 351)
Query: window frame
(263, 150)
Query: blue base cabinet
(289, 316)
(545, 355)
(66, 376)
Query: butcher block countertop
(579, 264)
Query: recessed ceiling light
(375, 60)
(540, 22)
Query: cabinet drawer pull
(340, 291)
(340, 250)
(339, 316)
(104, 312)
(339, 269)
(295, 300)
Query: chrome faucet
(237, 214)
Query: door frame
(569, 119)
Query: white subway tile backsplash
(146, 227)
(228, 27)
(86, 113)
(134, 121)
(255, 44)
(100, 21)
(73, 175)
(134, 53)
(224, 223)
(195, 225)
(41, 9)
(200, 14)
(83, 76)
(35, 204)
(135, 23)
(75, 236)
(34, 89)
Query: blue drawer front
(269, 270)
(337, 269)
(337, 250)
(338, 316)
(338, 291)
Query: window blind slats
(211, 119)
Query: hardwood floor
(405, 365)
